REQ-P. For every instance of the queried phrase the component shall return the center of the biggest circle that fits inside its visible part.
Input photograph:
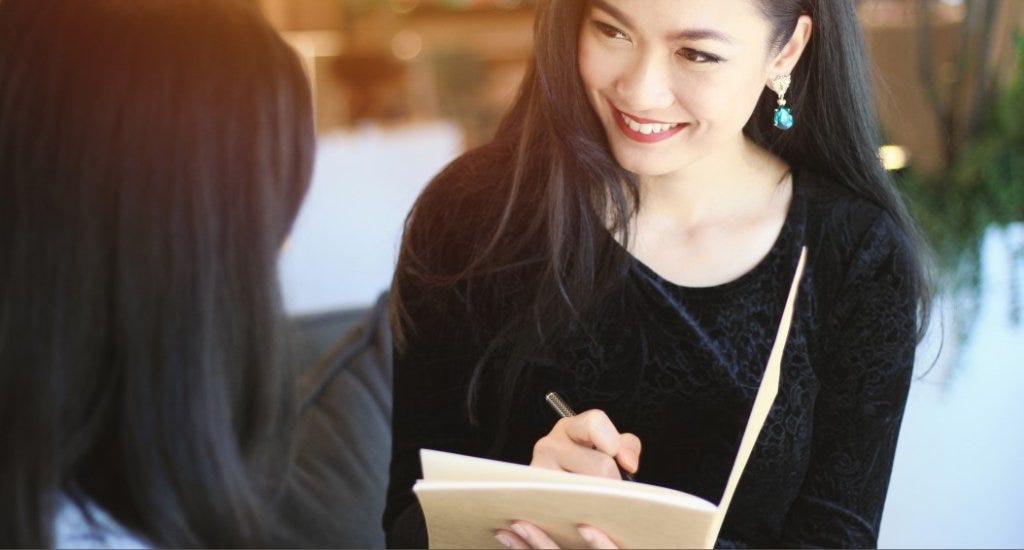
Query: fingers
(524, 535)
(594, 429)
(508, 539)
(629, 452)
(589, 444)
(595, 537)
(562, 454)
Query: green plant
(982, 189)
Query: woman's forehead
(729, 22)
(669, 12)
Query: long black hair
(562, 187)
(153, 155)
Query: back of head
(153, 154)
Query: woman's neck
(735, 182)
(714, 221)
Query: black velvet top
(679, 367)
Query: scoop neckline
(778, 248)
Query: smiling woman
(627, 240)
(692, 71)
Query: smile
(646, 130)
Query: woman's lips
(646, 130)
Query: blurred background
(404, 86)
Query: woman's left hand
(527, 535)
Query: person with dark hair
(628, 239)
(153, 155)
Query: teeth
(647, 129)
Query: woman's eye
(698, 56)
(610, 31)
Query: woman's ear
(790, 53)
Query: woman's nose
(646, 85)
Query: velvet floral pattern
(679, 367)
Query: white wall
(958, 480)
(344, 244)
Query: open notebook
(465, 499)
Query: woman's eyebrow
(687, 34)
(701, 34)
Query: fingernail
(503, 539)
(521, 531)
(587, 535)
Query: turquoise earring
(783, 115)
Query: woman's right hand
(587, 443)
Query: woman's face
(674, 81)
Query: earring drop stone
(783, 118)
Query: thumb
(629, 452)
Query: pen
(565, 411)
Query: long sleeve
(864, 371)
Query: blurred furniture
(339, 480)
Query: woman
(628, 240)
(153, 155)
